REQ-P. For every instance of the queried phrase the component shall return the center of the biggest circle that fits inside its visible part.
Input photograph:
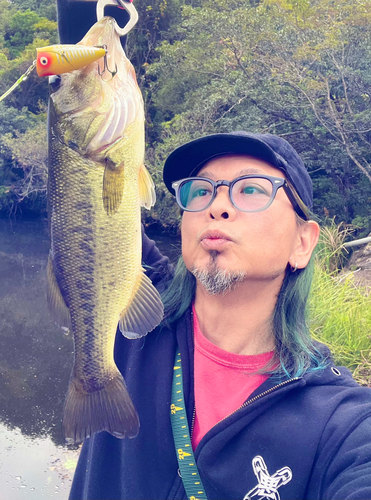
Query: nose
(221, 207)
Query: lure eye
(43, 59)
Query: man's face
(256, 245)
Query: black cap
(188, 159)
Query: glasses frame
(277, 182)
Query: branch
(238, 59)
(333, 112)
(313, 106)
(359, 165)
(233, 106)
(350, 111)
(344, 137)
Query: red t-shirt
(222, 381)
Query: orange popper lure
(58, 59)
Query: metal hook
(125, 4)
(105, 64)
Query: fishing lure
(58, 59)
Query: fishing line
(20, 80)
(58, 59)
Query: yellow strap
(183, 446)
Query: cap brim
(189, 158)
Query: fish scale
(95, 277)
(90, 262)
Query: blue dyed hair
(295, 350)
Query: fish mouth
(103, 34)
(101, 102)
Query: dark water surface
(35, 363)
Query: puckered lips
(214, 240)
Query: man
(269, 415)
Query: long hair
(295, 350)
(180, 293)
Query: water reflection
(35, 364)
(34, 468)
(35, 356)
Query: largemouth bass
(97, 184)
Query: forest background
(300, 69)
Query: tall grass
(331, 253)
(340, 311)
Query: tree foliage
(23, 28)
(22, 114)
(28, 150)
(45, 8)
(157, 22)
(300, 70)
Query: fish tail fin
(108, 409)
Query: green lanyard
(186, 460)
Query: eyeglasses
(248, 193)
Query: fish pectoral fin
(113, 186)
(57, 306)
(144, 312)
(147, 195)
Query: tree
(22, 114)
(11, 174)
(29, 151)
(24, 27)
(300, 70)
(45, 8)
(157, 22)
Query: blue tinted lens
(195, 194)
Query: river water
(35, 364)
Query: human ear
(308, 235)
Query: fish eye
(44, 61)
(55, 82)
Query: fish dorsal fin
(147, 195)
(144, 312)
(57, 306)
(113, 186)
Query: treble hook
(105, 64)
(125, 4)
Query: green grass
(340, 311)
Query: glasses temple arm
(298, 207)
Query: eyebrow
(245, 171)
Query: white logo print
(267, 485)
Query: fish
(97, 183)
(59, 59)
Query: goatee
(217, 281)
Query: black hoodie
(307, 438)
